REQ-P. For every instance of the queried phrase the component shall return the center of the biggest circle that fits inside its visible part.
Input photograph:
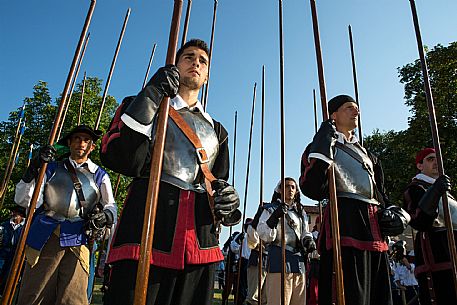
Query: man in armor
(185, 248)
(75, 204)
(364, 219)
(298, 240)
(422, 200)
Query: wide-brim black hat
(94, 134)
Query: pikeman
(185, 246)
(298, 240)
(422, 200)
(364, 216)
(76, 204)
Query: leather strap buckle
(201, 155)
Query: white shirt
(24, 191)
(404, 275)
(235, 247)
(177, 103)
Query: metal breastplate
(60, 199)
(353, 179)
(180, 162)
(439, 221)
(293, 231)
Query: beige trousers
(253, 285)
(295, 288)
(57, 278)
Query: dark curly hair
(192, 43)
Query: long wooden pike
(186, 22)
(319, 204)
(19, 256)
(356, 87)
(436, 142)
(151, 58)
(13, 149)
(283, 153)
(147, 236)
(13, 163)
(234, 156)
(262, 132)
(227, 276)
(82, 99)
(67, 98)
(111, 70)
(246, 184)
(210, 56)
(336, 244)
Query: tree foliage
(397, 150)
(40, 112)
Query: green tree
(397, 149)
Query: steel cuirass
(452, 203)
(293, 232)
(180, 160)
(60, 199)
(354, 179)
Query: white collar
(90, 165)
(342, 138)
(178, 103)
(425, 178)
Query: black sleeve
(379, 179)
(124, 150)
(313, 177)
(221, 165)
(411, 197)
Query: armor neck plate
(60, 199)
(353, 178)
(180, 160)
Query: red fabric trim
(429, 259)
(375, 245)
(305, 167)
(374, 225)
(114, 131)
(193, 253)
(185, 247)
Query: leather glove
(165, 82)
(324, 140)
(273, 220)
(393, 220)
(46, 154)
(429, 201)
(97, 220)
(309, 244)
(226, 199)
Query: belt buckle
(201, 153)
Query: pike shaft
(436, 142)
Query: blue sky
(39, 38)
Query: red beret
(424, 153)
